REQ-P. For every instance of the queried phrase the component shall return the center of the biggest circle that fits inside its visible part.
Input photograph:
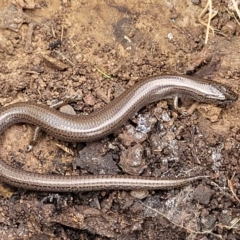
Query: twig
(233, 15)
(230, 185)
(28, 44)
(233, 223)
(62, 34)
(221, 189)
(53, 32)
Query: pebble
(89, 99)
(203, 194)
(93, 159)
(196, 2)
(131, 160)
(145, 123)
(54, 63)
(67, 109)
(131, 135)
(139, 194)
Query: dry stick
(28, 44)
(230, 184)
(236, 8)
(222, 191)
(62, 33)
(53, 32)
(233, 223)
(98, 69)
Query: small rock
(196, 2)
(119, 89)
(67, 109)
(37, 69)
(12, 18)
(47, 210)
(225, 216)
(124, 200)
(157, 142)
(209, 221)
(139, 194)
(54, 63)
(202, 194)
(79, 57)
(100, 93)
(131, 135)
(170, 136)
(82, 79)
(89, 99)
(145, 123)
(170, 36)
(131, 160)
(92, 159)
(165, 116)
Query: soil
(96, 49)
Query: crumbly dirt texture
(97, 49)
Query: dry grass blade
(233, 15)
(236, 8)
(208, 8)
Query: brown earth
(127, 40)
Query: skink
(101, 123)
